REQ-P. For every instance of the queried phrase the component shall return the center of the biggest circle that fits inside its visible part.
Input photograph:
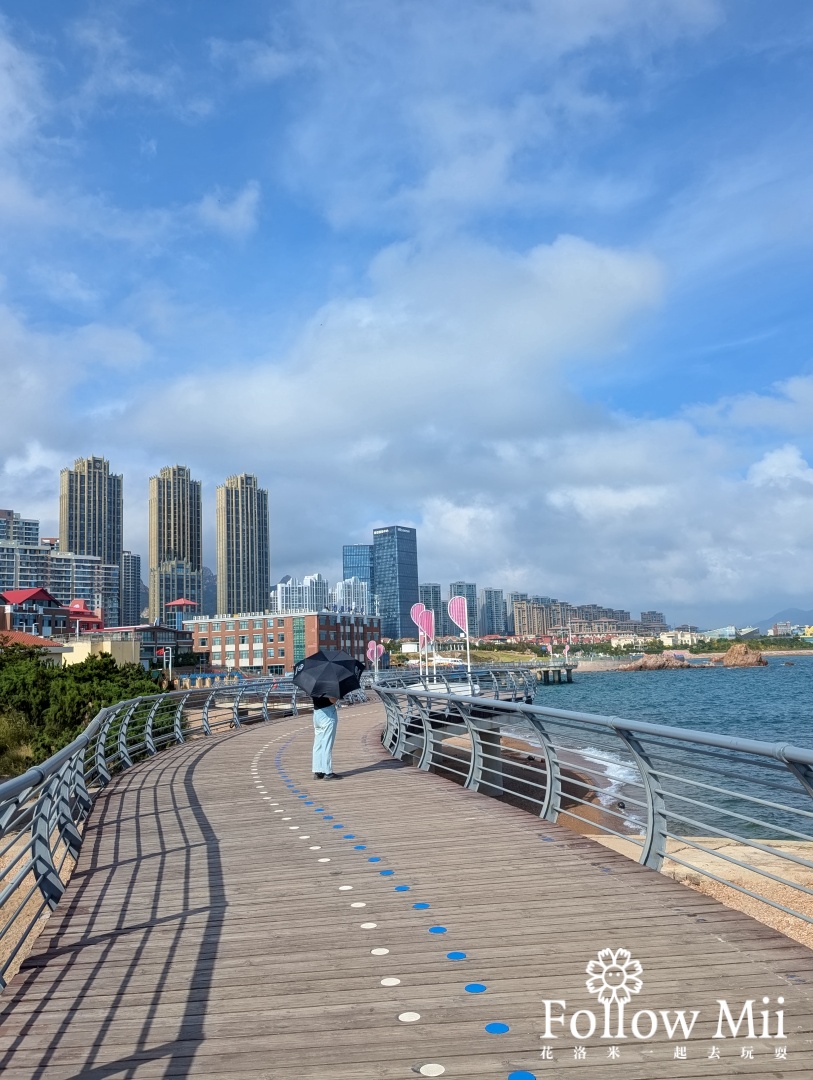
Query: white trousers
(324, 735)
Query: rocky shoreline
(739, 655)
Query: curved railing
(694, 804)
(42, 811)
(505, 684)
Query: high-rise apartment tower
(243, 552)
(91, 510)
(469, 590)
(130, 589)
(176, 544)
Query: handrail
(43, 810)
(691, 803)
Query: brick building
(270, 644)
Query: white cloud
(235, 217)
(781, 467)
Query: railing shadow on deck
(701, 807)
(44, 812)
(175, 843)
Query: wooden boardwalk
(223, 924)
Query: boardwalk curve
(227, 919)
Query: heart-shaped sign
(459, 612)
(415, 613)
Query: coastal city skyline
(381, 578)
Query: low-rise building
(263, 643)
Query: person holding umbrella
(326, 676)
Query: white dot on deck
(345, 888)
(314, 847)
(274, 803)
(409, 1017)
(324, 860)
(286, 819)
(303, 837)
(390, 982)
(359, 903)
(432, 1070)
(369, 925)
(379, 952)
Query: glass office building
(357, 562)
(395, 571)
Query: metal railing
(42, 811)
(693, 804)
(504, 684)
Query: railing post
(486, 776)
(294, 709)
(149, 742)
(102, 772)
(42, 860)
(265, 702)
(80, 791)
(124, 752)
(207, 728)
(177, 727)
(552, 803)
(65, 823)
(653, 851)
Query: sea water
(773, 703)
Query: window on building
(323, 620)
(203, 642)
(280, 622)
(244, 639)
(244, 624)
(230, 640)
(229, 653)
(322, 635)
(280, 637)
(270, 652)
(258, 624)
(270, 637)
(332, 635)
(215, 626)
(257, 639)
(244, 650)
(229, 625)
(276, 669)
(215, 640)
(280, 652)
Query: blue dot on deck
(319, 809)
(455, 956)
(339, 826)
(328, 817)
(475, 988)
(402, 888)
(349, 836)
(497, 1029)
(521, 1075)
(421, 907)
(386, 873)
(359, 847)
(309, 802)
(302, 797)
(437, 929)
(374, 858)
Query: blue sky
(532, 276)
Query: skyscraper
(130, 589)
(430, 595)
(243, 553)
(317, 592)
(176, 545)
(395, 570)
(358, 561)
(90, 510)
(469, 590)
(492, 612)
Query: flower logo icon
(614, 976)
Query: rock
(655, 662)
(740, 655)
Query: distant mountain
(795, 616)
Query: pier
(230, 916)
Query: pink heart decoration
(459, 612)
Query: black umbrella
(328, 673)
